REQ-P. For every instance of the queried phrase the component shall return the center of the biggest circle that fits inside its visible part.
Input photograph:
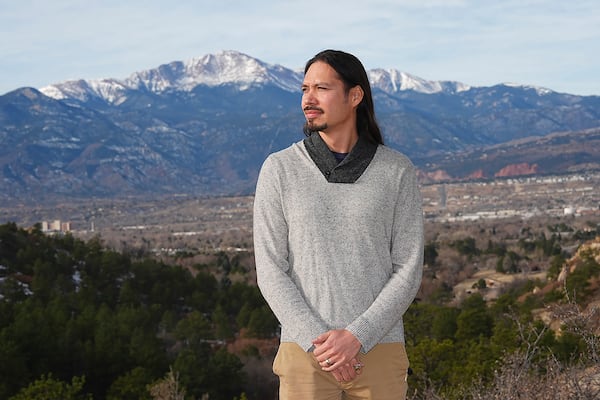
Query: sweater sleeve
(272, 266)
(406, 250)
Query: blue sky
(552, 44)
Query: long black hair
(352, 73)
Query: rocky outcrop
(518, 169)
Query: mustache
(307, 108)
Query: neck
(340, 143)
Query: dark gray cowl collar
(350, 168)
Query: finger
(337, 376)
(331, 366)
(330, 363)
(321, 338)
(345, 376)
(319, 350)
(347, 373)
(326, 361)
(353, 371)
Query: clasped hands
(337, 352)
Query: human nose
(308, 96)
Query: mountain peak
(541, 91)
(227, 66)
(393, 81)
(235, 68)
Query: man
(338, 240)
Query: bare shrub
(534, 373)
(167, 388)
(522, 377)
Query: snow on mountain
(214, 70)
(231, 66)
(211, 70)
(227, 67)
(393, 81)
(111, 90)
(539, 90)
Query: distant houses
(56, 226)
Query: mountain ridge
(230, 66)
(204, 127)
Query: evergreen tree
(48, 388)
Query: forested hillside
(75, 309)
(84, 321)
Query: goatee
(309, 128)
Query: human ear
(356, 94)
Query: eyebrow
(317, 84)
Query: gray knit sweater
(338, 255)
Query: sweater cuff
(362, 330)
(305, 338)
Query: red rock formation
(476, 174)
(518, 169)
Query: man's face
(325, 100)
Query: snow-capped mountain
(110, 90)
(393, 81)
(227, 67)
(214, 70)
(204, 126)
(232, 67)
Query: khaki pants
(383, 376)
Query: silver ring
(358, 366)
(328, 362)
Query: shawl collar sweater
(350, 168)
(333, 255)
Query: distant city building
(56, 226)
(569, 211)
(442, 193)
